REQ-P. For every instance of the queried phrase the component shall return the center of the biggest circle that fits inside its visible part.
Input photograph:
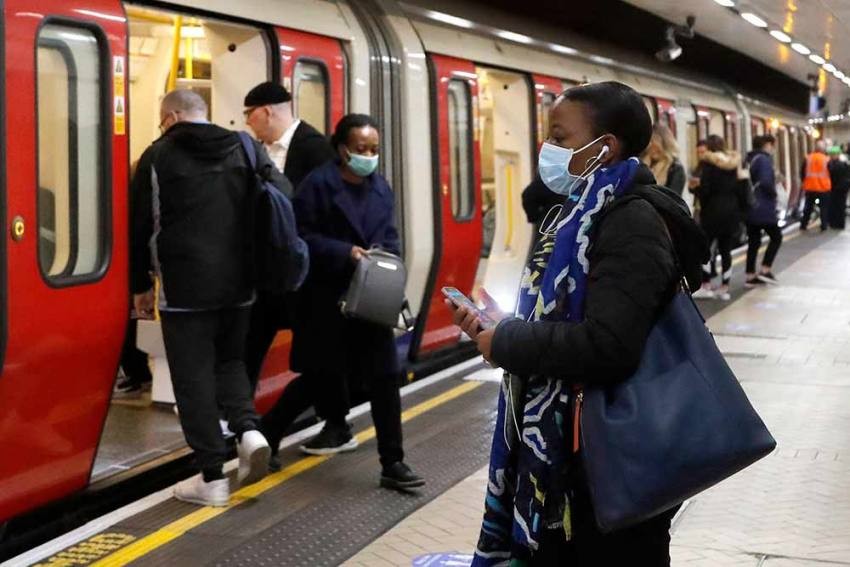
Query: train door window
(460, 149)
(547, 101)
(218, 60)
(310, 94)
(72, 191)
(717, 124)
(731, 131)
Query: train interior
(506, 166)
(215, 59)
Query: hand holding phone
(458, 299)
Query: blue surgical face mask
(361, 165)
(554, 167)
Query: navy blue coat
(763, 178)
(331, 224)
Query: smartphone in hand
(460, 300)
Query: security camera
(671, 49)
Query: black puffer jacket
(633, 274)
(195, 228)
(721, 211)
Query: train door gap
(221, 61)
(506, 169)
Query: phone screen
(455, 296)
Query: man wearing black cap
(294, 146)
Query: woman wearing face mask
(594, 287)
(343, 209)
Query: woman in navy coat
(343, 209)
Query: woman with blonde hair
(661, 155)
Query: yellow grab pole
(175, 53)
(188, 56)
(509, 193)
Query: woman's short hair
(666, 140)
(348, 123)
(715, 143)
(615, 109)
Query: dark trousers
(205, 355)
(134, 362)
(331, 393)
(646, 544)
(724, 247)
(754, 243)
(809, 207)
(838, 208)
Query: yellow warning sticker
(119, 106)
(88, 551)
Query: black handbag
(680, 424)
(376, 291)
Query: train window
(460, 149)
(547, 101)
(71, 185)
(310, 94)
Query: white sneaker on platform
(196, 491)
(254, 453)
(703, 293)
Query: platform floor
(789, 345)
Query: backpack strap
(250, 150)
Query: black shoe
(398, 476)
(127, 388)
(274, 463)
(768, 278)
(754, 282)
(332, 439)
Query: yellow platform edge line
(177, 528)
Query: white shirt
(277, 150)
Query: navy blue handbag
(679, 425)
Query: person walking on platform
(817, 185)
(586, 329)
(721, 213)
(762, 217)
(192, 199)
(296, 148)
(839, 176)
(343, 209)
(662, 158)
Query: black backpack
(282, 257)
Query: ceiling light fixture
(753, 19)
(563, 49)
(673, 50)
(781, 36)
(829, 67)
(800, 48)
(815, 58)
(726, 3)
(839, 74)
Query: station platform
(789, 345)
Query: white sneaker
(254, 453)
(723, 295)
(225, 429)
(196, 491)
(703, 293)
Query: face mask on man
(554, 167)
(360, 165)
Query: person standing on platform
(296, 149)
(817, 185)
(762, 217)
(721, 214)
(343, 209)
(662, 158)
(191, 227)
(839, 176)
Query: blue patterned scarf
(527, 492)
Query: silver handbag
(376, 291)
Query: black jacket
(331, 223)
(195, 228)
(676, 178)
(537, 200)
(720, 204)
(308, 149)
(633, 274)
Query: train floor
(789, 345)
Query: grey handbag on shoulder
(376, 291)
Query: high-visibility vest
(817, 173)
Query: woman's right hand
(358, 253)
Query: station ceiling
(821, 26)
